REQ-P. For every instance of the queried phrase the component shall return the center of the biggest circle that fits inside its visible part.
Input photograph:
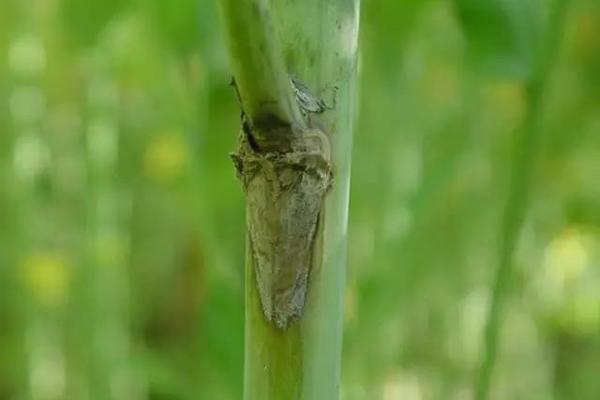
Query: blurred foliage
(121, 224)
(501, 34)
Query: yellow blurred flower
(567, 256)
(569, 288)
(165, 157)
(46, 275)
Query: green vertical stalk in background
(314, 41)
(524, 157)
(105, 329)
(36, 253)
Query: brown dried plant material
(284, 196)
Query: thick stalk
(258, 68)
(298, 355)
(524, 157)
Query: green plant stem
(524, 158)
(315, 41)
(258, 68)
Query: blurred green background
(122, 227)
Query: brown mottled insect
(284, 192)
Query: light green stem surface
(316, 42)
(256, 61)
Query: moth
(285, 190)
